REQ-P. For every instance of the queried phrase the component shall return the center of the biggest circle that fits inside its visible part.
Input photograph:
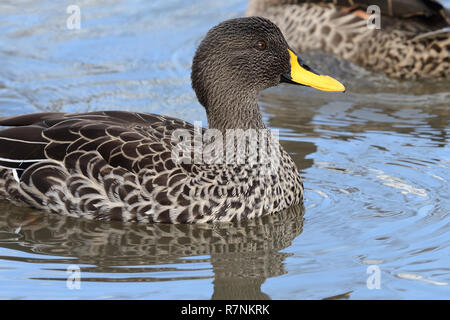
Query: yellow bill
(302, 74)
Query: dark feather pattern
(28, 119)
(20, 146)
(114, 165)
(118, 165)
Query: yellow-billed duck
(118, 165)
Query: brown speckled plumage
(117, 165)
(412, 43)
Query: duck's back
(126, 166)
(431, 11)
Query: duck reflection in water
(242, 254)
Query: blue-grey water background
(375, 163)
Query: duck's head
(240, 57)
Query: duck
(141, 167)
(403, 39)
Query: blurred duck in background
(406, 39)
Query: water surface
(375, 163)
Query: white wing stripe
(23, 141)
(16, 160)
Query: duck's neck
(236, 112)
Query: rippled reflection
(242, 255)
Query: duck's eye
(261, 45)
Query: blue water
(375, 163)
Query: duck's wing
(123, 139)
(23, 143)
(101, 165)
(429, 9)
